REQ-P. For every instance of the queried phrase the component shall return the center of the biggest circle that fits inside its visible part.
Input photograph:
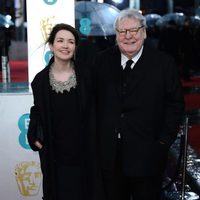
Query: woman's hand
(38, 144)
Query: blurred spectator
(87, 49)
(169, 40)
(90, 45)
(197, 46)
(187, 48)
(153, 37)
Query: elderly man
(140, 105)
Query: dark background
(158, 6)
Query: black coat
(155, 107)
(41, 110)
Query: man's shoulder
(156, 53)
(113, 50)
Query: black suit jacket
(154, 109)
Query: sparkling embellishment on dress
(60, 86)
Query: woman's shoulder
(44, 72)
(41, 76)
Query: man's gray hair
(130, 13)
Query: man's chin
(129, 53)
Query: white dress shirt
(124, 59)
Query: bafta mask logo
(46, 26)
(28, 177)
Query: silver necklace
(61, 86)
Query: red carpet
(192, 101)
(195, 81)
(18, 71)
(194, 137)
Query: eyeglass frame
(132, 31)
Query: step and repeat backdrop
(42, 15)
(20, 173)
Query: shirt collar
(124, 59)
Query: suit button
(123, 92)
(124, 84)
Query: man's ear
(145, 34)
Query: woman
(62, 105)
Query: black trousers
(117, 186)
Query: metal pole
(185, 132)
(8, 72)
(170, 5)
(4, 57)
(4, 68)
(134, 4)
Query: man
(139, 109)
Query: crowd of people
(180, 41)
(105, 125)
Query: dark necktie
(127, 70)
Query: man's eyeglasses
(132, 31)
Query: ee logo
(50, 2)
(23, 123)
(85, 26)
(47, 56)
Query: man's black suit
(147, 114)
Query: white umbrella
(195, 20)
(178, 18)
(5, 21)
(95, 19)
(151, 19)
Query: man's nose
(128, 34)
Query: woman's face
(64, 45)
(130, 36)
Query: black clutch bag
(35, 130)
(39, 132)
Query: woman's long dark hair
(62, 26)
